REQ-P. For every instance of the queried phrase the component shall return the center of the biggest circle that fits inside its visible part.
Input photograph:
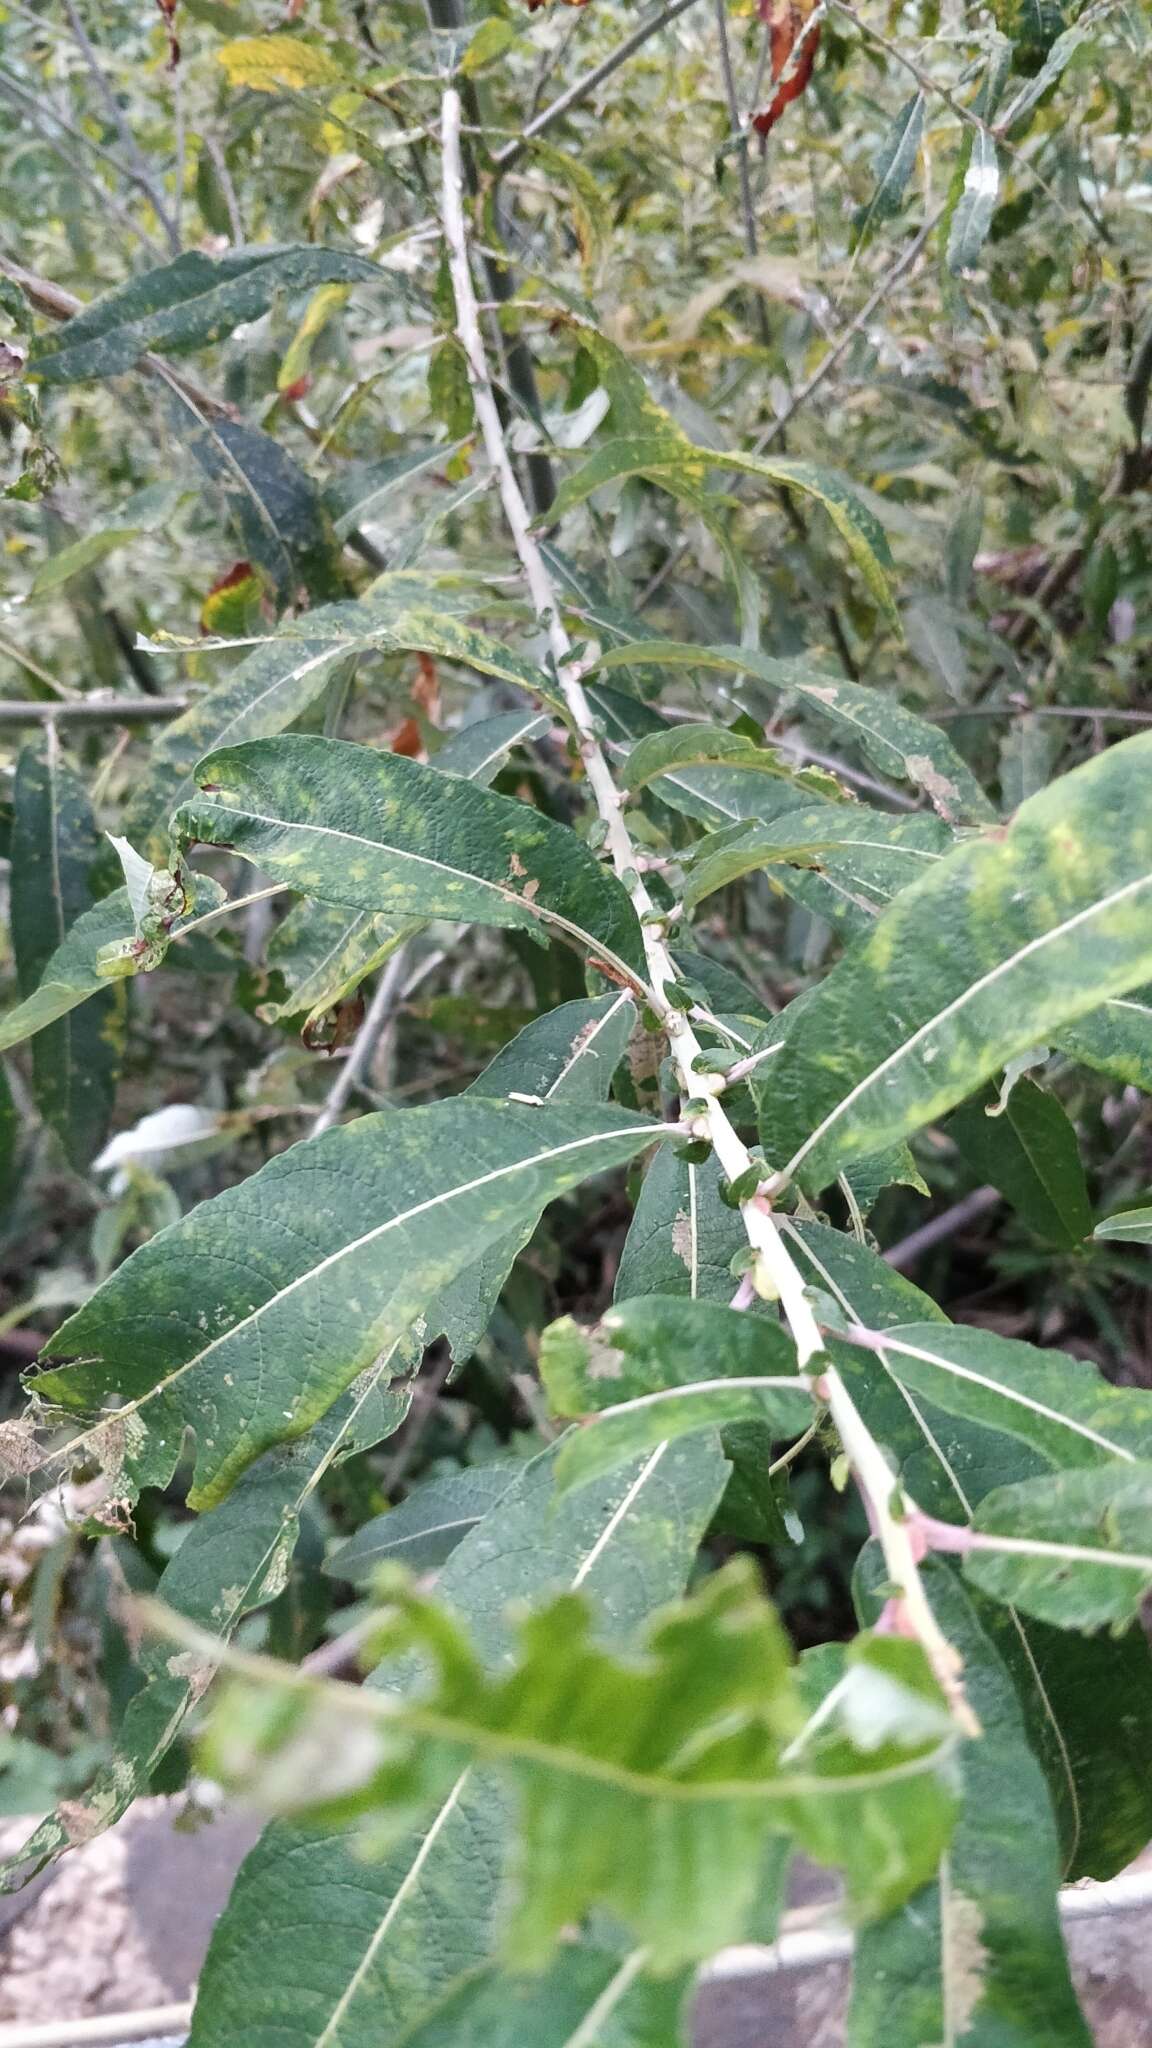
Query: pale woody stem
(776, 1272)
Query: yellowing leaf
(278, 64)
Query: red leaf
(787, 21)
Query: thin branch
(138, 171)
(848, 334)
(939, 1228)
(740, 139)
(582, 87)
(94, 710)
(150, 2023)
(364, 1045)
(36, 114)
(774, 1274)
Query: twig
(138, 169)
(364, 1045)
(95, 710)
(740, 139)
(848, 334)
(774, 1274)
(582, 87)
(151, 2022)
(939, 1228)
(37, 114)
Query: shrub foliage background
(575, 619)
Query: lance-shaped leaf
(649, 1788)
(691, 746)
(425, 1528)
(1059, 1405)
(716, 794)
(1028, 1150)
(322, 952)
(186, 304)
(972, 217)
(855, 859)
(656, 1368)
(894, 740)
(380, 833)
(1102, 1793)
(272, 505)
(316, 1944)
(1116, 1039)
(894, 164)
(1127, 1226)
(252, 1314)
(568, 1055)
(55, 843)
(1074, 1549)
(230, 1562)
(73, 974)
(682, 1236)
(1008, 937)
(978, 1955)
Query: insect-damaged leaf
(229, 1562)
(1074, 1549)
(73, 973)
(656, 1368)
(1010, 936)
(252, 1314)
(314, 1938)
(380, 833)
(635, 1790)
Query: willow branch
(774, 1275)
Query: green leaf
(894, 740)
(1127, 1226)
(972, 218)
(321, 951)
(72, 975)
(229, 1563)
(449, 389)
(186, 304)
(977, 1956)
(689, 746)
(844, 862)
(348, 1239)
(682, 1236)
(568, 1055)
(1029, 1151)
(703, 1745)
(1009, 937)
(1060, 1406)
(1116, 1039)
(60, 568)
(650, 443)
(583, 1986)
(425, 1529)
(253, 701)
(356, 495)
(54, 848)
(714, 794)
(1074, 1549)
(656, 1368)
(894, 164)
(1102, 1793)
(272, 505)
(314, 1939)
(381, 833)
